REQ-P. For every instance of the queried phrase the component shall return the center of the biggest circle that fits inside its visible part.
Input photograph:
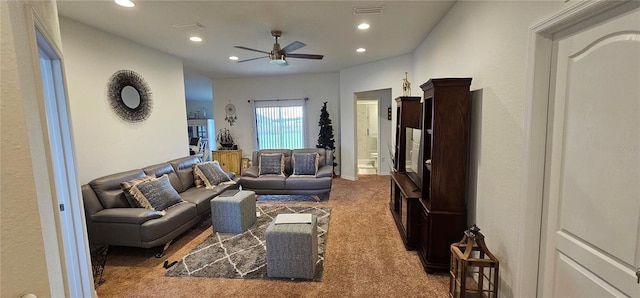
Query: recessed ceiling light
(233, 58)
(125, 3)
(363, 26)
(195, 38)
(361, 50)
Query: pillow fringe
(199, 172)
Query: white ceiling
(327, 27)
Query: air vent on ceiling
(368, 9)
(194, 25)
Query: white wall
(382, 74)
(199, 94)
(317, 87)
(104, 143)
(30, 254)
(488, 41)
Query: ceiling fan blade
(305, 56)
(250, 49)
(245, 60)
(293, 46)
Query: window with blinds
(280, 124)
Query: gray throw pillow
(271, 164)
(157, 194)
(305, 164)
(127, 185)
(211, 173)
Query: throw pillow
(157, 194)
(127, 185)
(305, 164)
(211, 173)
(271, 164)
(196, 178)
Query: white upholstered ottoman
(233, 214)
(292, 249)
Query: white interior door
(591, 219)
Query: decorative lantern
(474, 270)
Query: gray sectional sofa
(314, 185)
(111, 220)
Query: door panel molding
(536, 112)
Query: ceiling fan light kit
(280, 62)
(278, 55)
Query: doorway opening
(367, 135)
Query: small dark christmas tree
(325, 137)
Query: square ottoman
(292, 249)
(233, 214)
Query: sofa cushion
(263, 182)
(211, 174)
(307, 183)
(251, 171)
(271, 164)
(108, 188)
(305, 163)
(325, 171)
(175, 218)
(184, 169)
(127, 185)
(201, 196)
(157, 194)
(165, 168)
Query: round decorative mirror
(129, 96)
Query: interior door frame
(67, 245)
(536, 117)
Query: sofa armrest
(251, 171)
(125, 215)
(325, 171)
(231, 175)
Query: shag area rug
(244, 255)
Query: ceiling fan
(278, 55)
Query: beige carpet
(364, 258)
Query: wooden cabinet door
(422, 231)
(229, 160)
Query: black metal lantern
(474, 269)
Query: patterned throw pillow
(211, 173)
(271, 164)
(305, 164)
(127, 185)
(196, 178)
(157, 194)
